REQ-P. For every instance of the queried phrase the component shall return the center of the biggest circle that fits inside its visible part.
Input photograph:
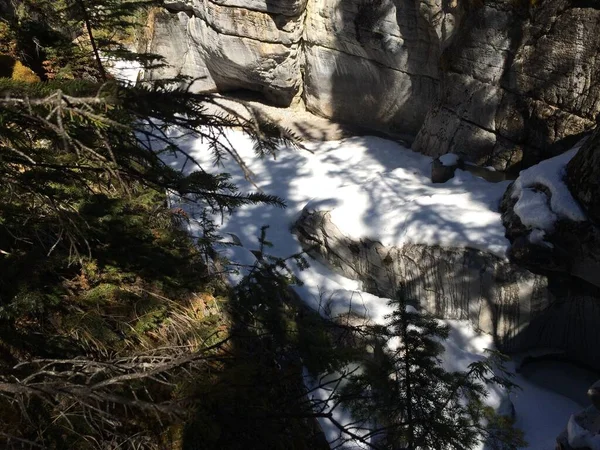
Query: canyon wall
(503, 83)
(522, 310)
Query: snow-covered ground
(379, 189)
(376, 188)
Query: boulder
(444, 167)
(583, 428)
(551, 232)
(522, 310)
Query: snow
(541, 413)
(579, 437)
(124, 71)
(378, 189)
(373, 187)
(538, 236)
(534, 211)
(533, 206)
(449, 159)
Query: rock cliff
(505, 83)
(520, 83)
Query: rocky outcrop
(583, 176)
(583, 428)
(520, 309)
(519, 84)
(550, 232)
(504, 83)
(252, 45)
(168, 36)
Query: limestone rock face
(372, 63)
(253, 45)
(285, 7)
(234, 62)
(503, 83)
(169, 37)
(518, 83)
(583, 176)
(520, 309)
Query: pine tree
(94, 270)
(409, 401)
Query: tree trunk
(88, 27)
(583, 176)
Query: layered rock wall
(520, 83)
(501, 82)
(520, 309)
(373, 63)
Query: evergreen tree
(407, 400)
(70, 39)
(98, 338)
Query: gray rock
(502, 83)
(520, 309)
(440, 172)
(571, 248)
(518, 83)
(373, 63)
(583, 429)
(355, 90)
(285, 7)
(231, 48)
(169, 37)
(583, 176)
(235, 62)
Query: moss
(24, 73)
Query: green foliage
(404, 398)
(40, 34)
(94, 262)
(257, 398)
